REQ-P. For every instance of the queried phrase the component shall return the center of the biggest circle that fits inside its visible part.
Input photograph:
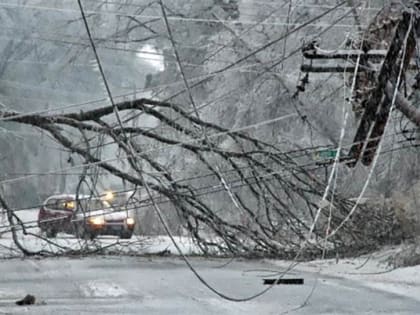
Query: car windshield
(124, 203)
(61, 204)
(94, 204)
(119, 201)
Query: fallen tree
(273, 197)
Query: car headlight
(130, 221)
(108, 195)
(97, 221)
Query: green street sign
(326, 154)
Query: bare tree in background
(234, 192)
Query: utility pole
(386, 69)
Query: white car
(83, 216)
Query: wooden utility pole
(383, 78)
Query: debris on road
(27, 300)
(284, 281)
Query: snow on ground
(373, 270)
(361, 285)
(103, 244)
(102, 288)
(137, 245)
(150, 285)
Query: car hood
(108, 216)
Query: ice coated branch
(272, 197)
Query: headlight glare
(108, 195)
(130, 221)
(97, 221)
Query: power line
(381, 141)
(137, 91)
(146, 205)
(117, 159)
(98, 61)
(139, 52)
(243, 4)
(217, 71)
(107, 12)
(210, 189)
(304, 150)
(146, 151)
(215, 135)
(198, 191)
(122, 96)
(172, 18)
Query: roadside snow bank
(64, 243)
(372, 271)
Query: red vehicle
(85, 217)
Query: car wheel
(91, 236)
(83, 234)
(51, 233)
(126, 235)
(87, 235)
(80, 232)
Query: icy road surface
(133, 285)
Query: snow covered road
(139, 285)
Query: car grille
(115, 221)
